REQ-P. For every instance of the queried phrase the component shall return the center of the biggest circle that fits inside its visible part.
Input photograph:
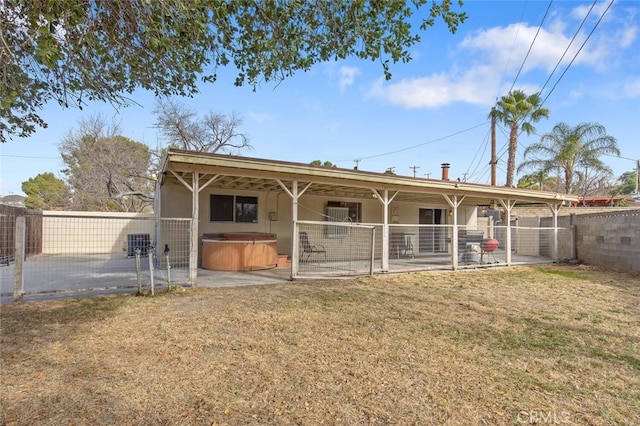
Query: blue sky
(433, 110)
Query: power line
(506, 66)
(419, 145)
(478, 156)
(578, 52)
(30, 156)
(569, 45)
(531, 45)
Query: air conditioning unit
(336, 214)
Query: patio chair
(308, 249)
(402, 245)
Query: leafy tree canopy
(576, 151)
(539, 180)
(46, 192)
(627, 184)
(74, 51)
(322, 163)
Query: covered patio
(378, 208)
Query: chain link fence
(75, 253)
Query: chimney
(445, 171)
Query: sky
(434, 110)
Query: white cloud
(490, 57)
(347, 76)
(579, 12)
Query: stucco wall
(275, 212)
(91, 232)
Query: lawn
(554, 345)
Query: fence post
(21, 245)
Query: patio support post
(195, 189)
(195, 218)
(295, 230)
(454, 204)
(508, 205)
(385, 201)
(555, 209)
(295, 227)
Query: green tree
(627, 184)
(518, 111)
(46, 192)
(538, 180)
(107, 171)
(74, 51)
(321, 163)
(571, 150)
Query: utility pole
(357, 164)
(414, 169)
(494, 162)
(427, 175)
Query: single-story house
(316, 216)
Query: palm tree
(517, 111)
(571, 150)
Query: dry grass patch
(487, 347)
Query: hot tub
(239, 251)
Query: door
(430, 238)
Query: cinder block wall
(610, 240)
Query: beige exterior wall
(275, 212)
(91, 232)
(526, 241)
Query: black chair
(308, 249)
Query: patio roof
(254, 174)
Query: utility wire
(479, 156)
(569, 45)
(531, 45)
(506, 66)
(29, 156)
(417, 146)
(578, 52)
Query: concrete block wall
(610, 240)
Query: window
(233, 208)
(246, 209)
